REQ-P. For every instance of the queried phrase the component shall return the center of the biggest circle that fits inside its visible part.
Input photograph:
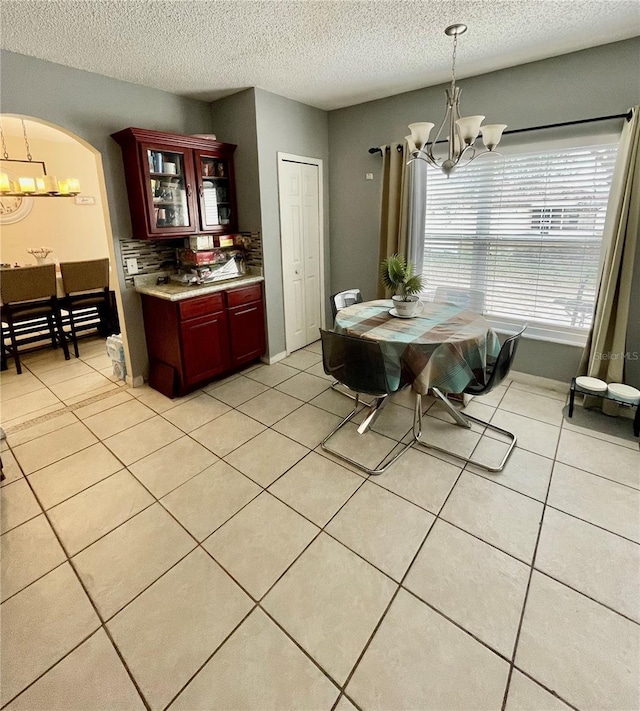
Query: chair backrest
(356, 362)
(503, 362)
(472, 299)
(343, 299)
(28, 283)
(84, 276)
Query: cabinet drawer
(245, 295)
(192, 308)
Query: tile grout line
(526, 594)
(265, 489)
(102, 624)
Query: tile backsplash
(156, 256)
(152, 256)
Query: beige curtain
(604, 354)
(393, 218)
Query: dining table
(442, 349)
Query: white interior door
(301, 253)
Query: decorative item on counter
(200, 242)
(40, 254)
(189, 256)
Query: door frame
(293, 158)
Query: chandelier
(462, 132)
(34, 186)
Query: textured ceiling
(326, 53)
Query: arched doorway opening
(74, 229)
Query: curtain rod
(626, 116)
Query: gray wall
(270, 124)
(289, 127)
(234, 121)
(594, 82)
(93, 107)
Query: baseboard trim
(270, 360)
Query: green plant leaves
(398, 276)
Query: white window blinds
(526, 230)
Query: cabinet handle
(246, 311)
(189, 189)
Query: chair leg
(14, 347)
(343, 390)
(3, 355)
(417, 437)
(52, 332)
(374, 410)
(382, 467)
(63, 339)
(74, 337)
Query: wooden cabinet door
(246, 327)
(168, 186)
(216, 191)
(205, 347)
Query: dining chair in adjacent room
(30, 304)
(358, 363)
(472, 299)
(86, 286)
(495, 373)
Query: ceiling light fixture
(462, 132)
(34, 186)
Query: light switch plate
(132, 265)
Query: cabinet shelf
(165, 175)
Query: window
(524, 229)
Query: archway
(75, 229)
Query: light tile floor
(204, 553)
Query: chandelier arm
(424, 157)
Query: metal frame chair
(358, 363)
(86, 285)
(498, 370)
(342, 299)
(29, 294)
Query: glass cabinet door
(170, 187)
(216, 200)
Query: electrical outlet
(368, 176)
(132, 265)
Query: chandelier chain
(26, 141)
(453, 63)
(5, 155)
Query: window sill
(563, 336)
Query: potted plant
(398, 275)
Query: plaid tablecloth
(445, 347)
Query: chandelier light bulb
(469, 128)
(491, 134)
(420, 133)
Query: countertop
(178, 292)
